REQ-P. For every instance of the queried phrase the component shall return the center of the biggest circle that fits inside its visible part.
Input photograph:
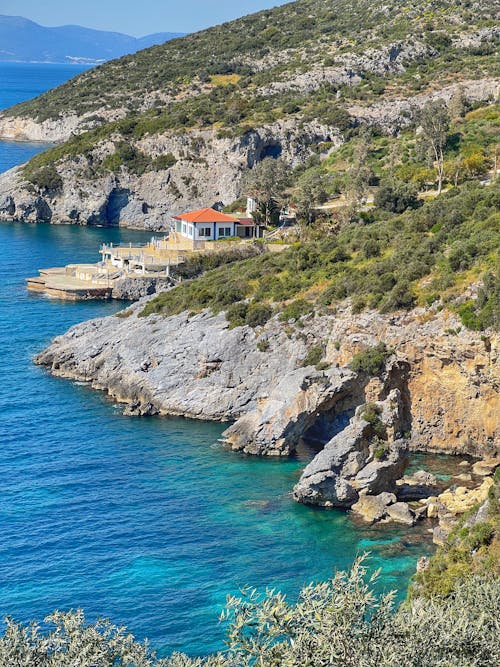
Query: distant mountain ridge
(23, 40)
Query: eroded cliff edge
(197, 366)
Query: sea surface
(20, 82)
(147, 521)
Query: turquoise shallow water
(146, 521)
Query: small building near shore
(207, 224)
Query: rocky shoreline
(437, 393)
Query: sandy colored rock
(485, 467)
(452, 382)
(433, 510)
(373, 508)
(463, 499)
(464, 477)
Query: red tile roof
(205, 215)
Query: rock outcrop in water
(366, 457)
(297, 400)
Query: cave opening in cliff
(325, 426)
(273, 150)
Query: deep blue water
(20, 82)
(146, 521)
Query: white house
(208, 224)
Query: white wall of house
(206, 231)
(251, 206)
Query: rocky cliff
(206, 169)
(199, 367)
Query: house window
(184, 228)
(205, 232)
(224, 231)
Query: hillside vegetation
(425, 256)
(275, 44)
(335, 88)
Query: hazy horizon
(148, 17)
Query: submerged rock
(418, 486)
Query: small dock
(127, 269)
(65, 283)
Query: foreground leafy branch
(341, 623)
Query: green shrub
(371, 248)
(163, 162)
(469, 317)
(371, 413)
(46, 178)
(236, 314)
(372, 360)
(296, 309)
(314, 355)
(480, 535)
(380, 450)
(263, 345)
(258, 314)
(484, 312)
(342, 622)
(397, 197)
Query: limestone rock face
(208, 169)
(198, 367)
(380, 475)
(181, 365)
(452, 381)
(133, 289)
(280, 419)
(395, 114)
(349, 463)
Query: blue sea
(147, 521)
(20, 82)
